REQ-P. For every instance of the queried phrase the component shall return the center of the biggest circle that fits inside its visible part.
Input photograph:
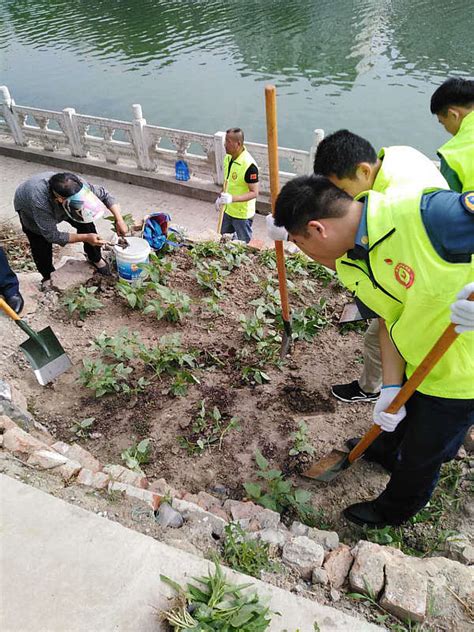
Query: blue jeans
(431, 434)
(242, 228)
(8, 280)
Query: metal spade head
(46, 355)
(327, 468)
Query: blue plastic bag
(182, 171)
(155, 231)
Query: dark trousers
(8, 280)
(42, 249)
(431, 434)
(242, 228)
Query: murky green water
(369, 65)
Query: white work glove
(217, 204)
(276, 233)
(225, 198)
(462, 310)
(388, 421)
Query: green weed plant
(82, 301)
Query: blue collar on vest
(361, 245)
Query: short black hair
(454, 91)
(339, 154)
(65, 184)
(236, 131)
(307, 198)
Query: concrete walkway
(64, 569)
(196, 216)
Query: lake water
(368, 65)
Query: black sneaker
(353, 393)
(385, 462)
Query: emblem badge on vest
(404, 275)
(468, 202)
(234, 175)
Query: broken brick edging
(400, 583)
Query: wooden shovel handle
(272, 141)
(432, 357)
(8, 310)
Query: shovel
(42, 349)
(327, 468)
(272, 140)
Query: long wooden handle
(432, 357)
(8, 310)
(272, 141)
(222, 209)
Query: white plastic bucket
(128, 258)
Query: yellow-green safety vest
(236, 185)
(404, 166)
(411, 287)
(458, 153)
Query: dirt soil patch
(265, 414)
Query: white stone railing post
(219, 154)
(71, 130)
(317, 138)
(140, 143)
(9, 114)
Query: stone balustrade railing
(146, 148)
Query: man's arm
(120, 225)
(245, 197)
(393, 365)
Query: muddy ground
(267, 414)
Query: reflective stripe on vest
(408, 284)
(458, 153)
(236, 185)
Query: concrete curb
(69, 569)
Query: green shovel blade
(48, 359)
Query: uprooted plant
(208, 429)
(216, 604)
(245, 555)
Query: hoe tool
(327, 468)
(272, 140)
(42, 349)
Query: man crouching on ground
(48, 198)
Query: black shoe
(16, 302)
(103, 270)
(368, 456)
(353, 393)
(365, 515)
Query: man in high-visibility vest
(453, 104)
(408, 256)
(352, 164)
(240, 187)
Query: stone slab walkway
(67, 569)
(196, 216)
